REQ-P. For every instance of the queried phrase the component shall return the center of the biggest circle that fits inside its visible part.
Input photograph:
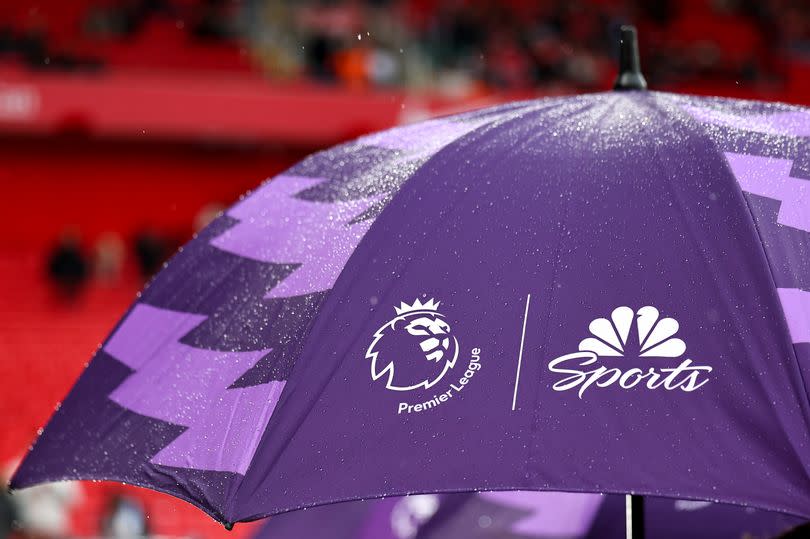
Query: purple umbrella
(603, 293)
(524, 515)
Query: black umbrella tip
(228, 525)
(630, 77)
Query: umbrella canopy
(504, 515)
(604, 293)
(522, 515)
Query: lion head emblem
(415, 349)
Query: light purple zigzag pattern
(422, 139)
(796, 306)
(274, 226)
(188, 386)
(792, 124)
(770, 177)
(553, 514)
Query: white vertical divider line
(520, 354)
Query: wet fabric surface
(619, 288)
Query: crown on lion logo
(429, 305)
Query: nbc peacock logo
(631, 335)
(655, 335)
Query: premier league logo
(413, 350)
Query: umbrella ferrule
(630, 76)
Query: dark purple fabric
(507, 515)
(283, 355)
(678, 519)
(524, 515)
(334, 521)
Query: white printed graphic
(630, 335)
(413, 350)
(655, 335)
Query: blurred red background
(126, 124)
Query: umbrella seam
(509, 116)
(768, 264)
(230, 501)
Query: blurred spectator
(207, 213)
(319, 54)
(212, 22)
(31, 47)
(44, 510)
(109, 257)
(453, 44)
(125, 519)
(8, 511)
(109, 23)
(151, 250)
(799, 532)
(68, 265)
